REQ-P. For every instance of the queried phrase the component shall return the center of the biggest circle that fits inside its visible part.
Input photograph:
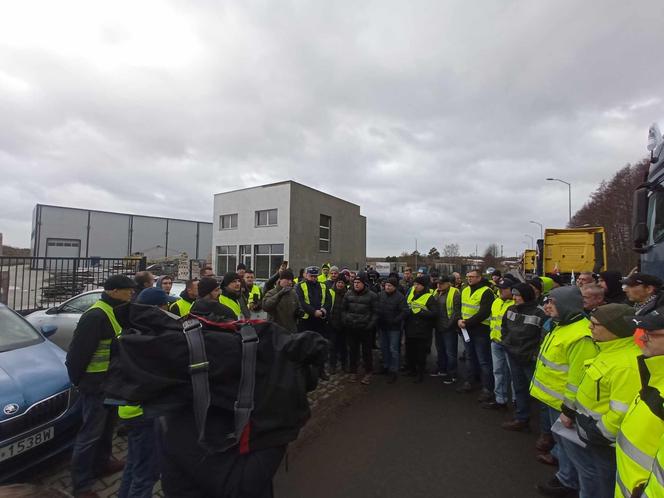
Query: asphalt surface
(414, 440)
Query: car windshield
(15, 332)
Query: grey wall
(116, 235)
(349, 230)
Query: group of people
(591, 354)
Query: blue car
(39, 410)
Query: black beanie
(393, 281)
(422, 280)
(525, 291)
(228, 278)
(537, 283)
(207, 285)
(287, 274)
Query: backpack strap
(198, 370)
(244, 403)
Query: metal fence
(28, 283)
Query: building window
(267, 218)
(245, 255)
(227, 221)
(267, 259)
(226, 259)
(325, 233)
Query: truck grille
(38, 414)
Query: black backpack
(254, 376)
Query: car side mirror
(48, 330)
(640, 218)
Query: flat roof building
(263, 226)
(59, 231)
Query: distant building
(59, 231)
(263, 226)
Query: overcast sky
(441, 119)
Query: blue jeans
(521, 377)
(447, 345)
(582, 459)
(141, 470)
(479, 349)
(604, 458)
(93, 445)
(501, 373)
(566, 474)
(390, 345)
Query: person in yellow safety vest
(446, 329)
(476, 301)
(609, 384)
(654, 486)
(325, 271)
(643, 426)
(494, 277)
(315, 300)
(208, 304)
(501, 372)
(253, 294)
(87, 362)
(558, 372)
(231, 296)
(141, 472)
(419, 325)
(182, 306)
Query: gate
(28, 283)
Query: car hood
(30, 374)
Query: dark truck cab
(648, 211)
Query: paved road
(414, 440)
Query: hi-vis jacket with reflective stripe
(470, 303)
(231, 304)
(608, 387)
(655, 485)
(417, 305)
(102, 355)
(498, 309)
(641, 429)
(560, 363)
(305, 294)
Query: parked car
(64, 317)
(39, 410)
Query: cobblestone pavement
(324, 402)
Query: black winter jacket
(420, 325)
(392, 310)
(359, 309)
(522, 331)
(446, 323)
(213, 310)
(93, 327)
(336, 314)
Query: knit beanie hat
(228, 278)
(152, 296)
(286, 274)
(612, 316)
(422, 280)
(207, 285)
(525, 291)
(392, 281)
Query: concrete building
(263, 226)
(70, 232)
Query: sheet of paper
(569, 434)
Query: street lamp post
(541, 227)
(532, 239)
(569, 188)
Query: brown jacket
(283, 307)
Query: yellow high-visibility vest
(232, 304)
(498, 310)
(470, 303)
(305, 293)
(640, 432)
(102, 355)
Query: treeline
(610, 206)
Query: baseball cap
(312, 270)
(119, 282)
(642, 279)
(506, 283)
(651, 321)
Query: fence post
(143, 264)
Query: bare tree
(610, 206)
(451, 251)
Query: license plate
(25, 444)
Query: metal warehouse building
(70, 232)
